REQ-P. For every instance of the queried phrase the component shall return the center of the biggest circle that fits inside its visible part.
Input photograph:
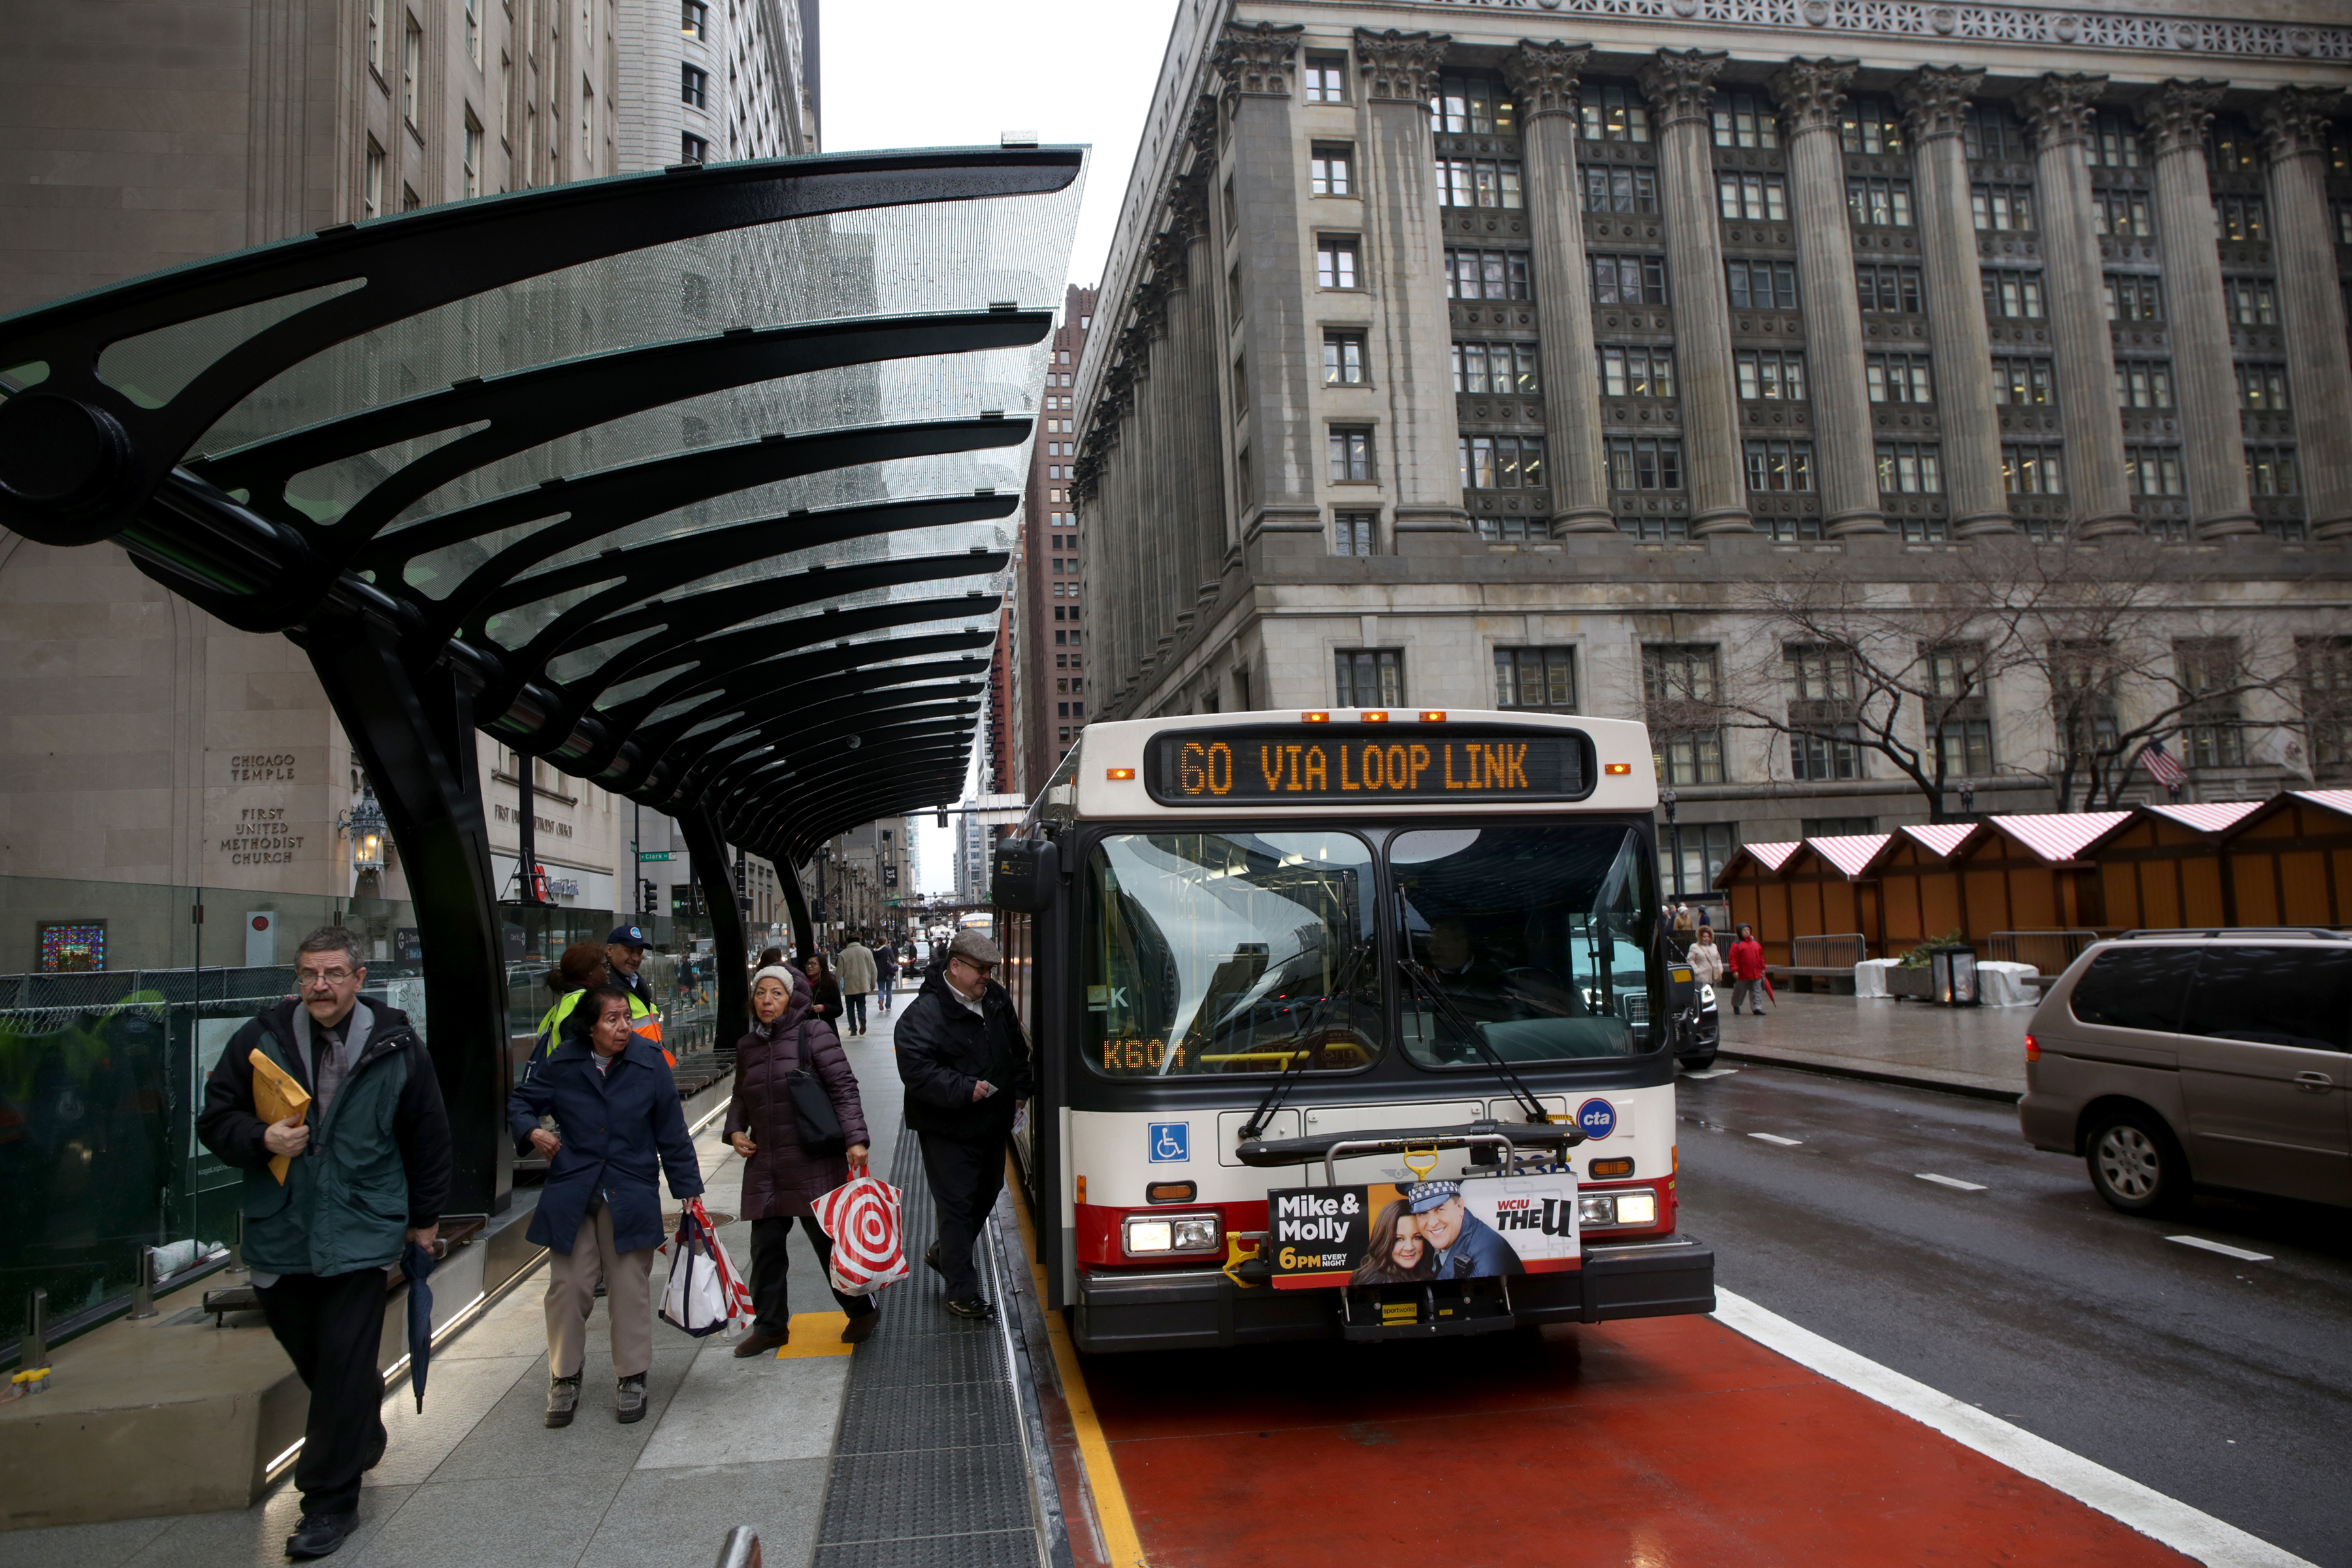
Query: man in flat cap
(965, 1064)
(1467, 1246)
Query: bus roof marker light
(1315, 718)
(1114, 774)
(1432, 716)
(1374, 716)
(1615, 768)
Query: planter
(1917, 983)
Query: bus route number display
(1295, 764)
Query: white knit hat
(778, 972)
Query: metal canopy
(693, 484)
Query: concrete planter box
(1917, 983)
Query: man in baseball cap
(1467, 1246)
(625, 952)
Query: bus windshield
(1231, 952)
(1533, 934)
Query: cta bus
(1348, 1023)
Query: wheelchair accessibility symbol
(1171, 1141)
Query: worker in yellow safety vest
(624, 953)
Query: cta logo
(1597, 1118)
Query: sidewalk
(1980, 1049)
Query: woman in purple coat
(780, 1178)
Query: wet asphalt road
(2225, 1383)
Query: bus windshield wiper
(1263, 1117)
(1451, 1011)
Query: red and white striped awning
(2061, 835)
(1771, 857)
(1943, 838)
(2333, 799)
(2214, 816)
(1851, 853)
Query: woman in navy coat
(618, 1116)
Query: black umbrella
(417, 1264)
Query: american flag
(2160, 765)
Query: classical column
(2202, 367)
(2294, 138)
(2056, 108)
(1405, 259)
(1810, 93)
(1542, 77)
(1680, 84)
(1935, 108)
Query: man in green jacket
(367, 1172)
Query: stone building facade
(1037, 691)
(1475, 355)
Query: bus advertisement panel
(1394, 1233)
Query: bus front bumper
(1199, 1309)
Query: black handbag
(813, 1114)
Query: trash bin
(1952, 976)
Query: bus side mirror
(1024, 874)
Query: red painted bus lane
(1673, 1441)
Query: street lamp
(363, 824)
(1968, 798)
(1666, 799)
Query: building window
(372, 181)
(2153, 471)
(1478, 183)
(2324, 671)
(1754, 197)
(1233, 289)
(1629, 279)
(694, 20)
(2114, 144)
(412, 69)
(1744, 120)
(1613, 114)
(1355, 532)
(1762, 285)
(2133, 296)
(409, 200)
(2121, 212)
(2144, 384)
(1539, 677)
(1888, 290)
(1964, 746)
(587, 125)
(1775, 374)
(1637, 372)
(2013, 296)
(1870, 126)
(1691, 856)
(1909, 469)
(1331, 171)
(2209, 671)
(1643, 463)
(1368, 678)
(1678, 686)
(2031, 471)
(693, 149)
(1343, 359)
(1992, 133)
(2238, 217)
(2270, 470)
(506, 100)
(1471, 106)
(2002, 208)
(2023, 383)
(1837, 827)
(1486, 274)
(1241, 384)
(1503, 369)
(693, 87)
(1613, 190)
(1351, 454)
(1501, 462)
(1959, 718)
(2253, 302)
(1325, 78)
(1335, 263)
(1898, 378)
(474, 32)
(2261, 387)
(471, 156)
(1831, 754)
(1780, 466)
(376, 37)
(1880, 204)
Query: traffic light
(943, 816)
(646, 895)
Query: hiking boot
(758, 1342)
(976, 1308)
(321, 1534)
(629, 1399)
(562, 1399)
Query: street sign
(653, 855)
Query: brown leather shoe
(756, 1342)
(860, 1329)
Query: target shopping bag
(861, 1215)
(705, 1294)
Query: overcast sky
(926, 73)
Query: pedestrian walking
(854, 963)
(367, 1171)
(1685, 927)
(617, 1119)
(824, 991)
(1706, 958)
(782, 1178)
(965, 1063)
(1747, 963)
(624, 953)
(583, 966)
(886, 975)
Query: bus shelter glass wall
(1231, 953)
(1534, 934)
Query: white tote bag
(700, 1298)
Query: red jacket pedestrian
(1747, 958)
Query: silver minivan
(2175, 1060)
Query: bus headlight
(1638, 1209)
(1146, 1235)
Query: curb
(1873, 1075)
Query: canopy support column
(708, 848)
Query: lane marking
(1776, 1137)
(2239, 1253)
(2166, 1520)
(1712, 1072)
(1952, 1182)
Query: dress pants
(333, 1328)
(771, 1256)
(572, 1297)
(965, 1178)
(854, 1005)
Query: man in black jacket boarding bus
(966, 1066)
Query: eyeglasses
(335, 976)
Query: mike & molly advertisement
(1392, 1233)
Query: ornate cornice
(1812, 92)
(1170, 255)
(1543, 76)
(1400, 67)
(1935, 100)
(1201, 130)
(1680, 83)
(2177, 114)
(1188, 210)
(1255, 59)
(2295, 122)
(1150, 322)
(2057, 109)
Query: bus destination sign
(1297, 763)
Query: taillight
(2033, 1050)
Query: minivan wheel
(2137, 1165)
